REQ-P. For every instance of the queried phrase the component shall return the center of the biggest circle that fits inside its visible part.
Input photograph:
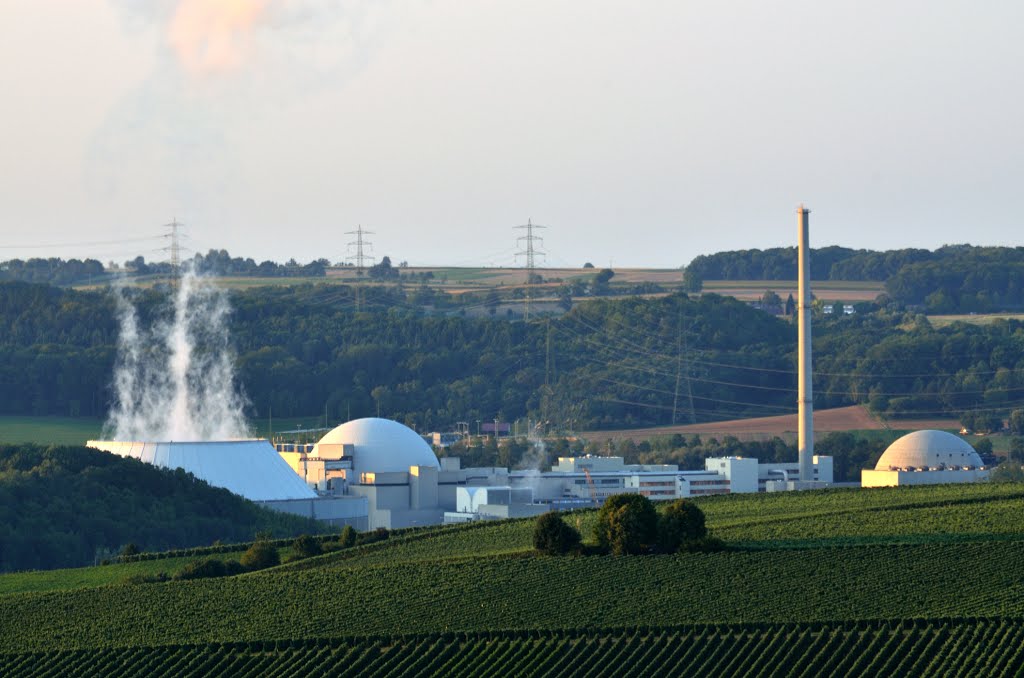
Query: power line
(529, 252)
(361, 246)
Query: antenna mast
(529, 251)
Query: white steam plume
(176, 381)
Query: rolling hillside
(807, 574)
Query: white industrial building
(248, 468)
(372, 473)
(405, 484)
(926, 458)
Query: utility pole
(529, 251)
(175, 249)
(682, 356)
(360, 257)
(361, 246)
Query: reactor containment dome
(250, 468)
(929, 450)
(379, 446)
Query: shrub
(682, 522)
(202, 569)
(306, 547)
(260, 555)
(348, 537)
(626, 524)
(553, 537)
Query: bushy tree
(306, 547)
(681, 522)
(1017, 422)
(260, 555)
(348, 537)
(553, 537)
(627, 524)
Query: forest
(608, 363)
(951, 279)
(71, 506)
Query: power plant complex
(372, 473)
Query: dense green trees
(627, 524)
(552, 537)
(681, 522)
(60, 506)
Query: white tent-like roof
(250, 468)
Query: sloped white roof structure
(382, 446)
(250, 468)
(928, 449)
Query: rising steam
(211, 36)
(175, 382)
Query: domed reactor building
(926, 458)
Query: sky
(641, 133)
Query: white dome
(382, 446)
(928, 449)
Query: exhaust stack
(805, 435)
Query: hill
(922, 570)
(67, 506)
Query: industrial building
(405, 484)
(249, 468)
(926, 458)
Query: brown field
(853, 418)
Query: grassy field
(973, 318)
(49, 430)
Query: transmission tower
(174, 248)
(361, 245)
(530, 252)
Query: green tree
(1017, 422)
(692, 280)
(348, 537)
(626, 524)
(681, 522)
(260, 556)
(306, 547)
(552, 537)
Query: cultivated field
(908, 581)
(853, 418)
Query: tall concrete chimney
(805, 436)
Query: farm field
(972, 318)
(852, 418)
(49, 430)
(814, 558)
(917, 647)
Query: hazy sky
(641, 132)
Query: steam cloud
(175, 382)
(213, 35)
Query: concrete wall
(872, 478)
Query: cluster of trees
(62, 506)
(608, 363)
(219, 262)
(53, 271)
(951, 279)
(629, 524)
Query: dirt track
(852, 418)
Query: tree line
(608, 363)
(70, 506)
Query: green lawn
(49, 430)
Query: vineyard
(950, 647)
(806, 587)
(478, 594)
